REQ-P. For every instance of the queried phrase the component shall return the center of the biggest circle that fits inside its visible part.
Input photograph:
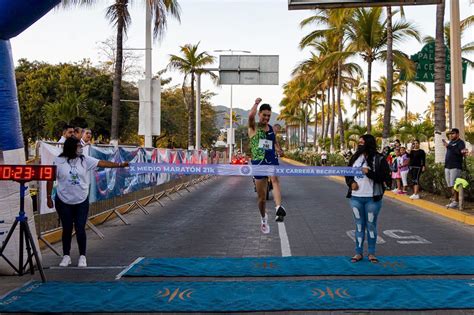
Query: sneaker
(395, 190)
(264, 225)
(66, 261)
(82, 262)
(415, 197)
(453, 204)
(280, 214)
(400, 192)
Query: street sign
(248, 70)
(424, 60)
(324, 4)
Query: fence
(115, 192)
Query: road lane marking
(285, 243)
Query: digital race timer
(27, 172)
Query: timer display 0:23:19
(27, 172)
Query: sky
(264, 27)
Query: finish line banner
(243, 170)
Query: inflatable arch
(15, 17)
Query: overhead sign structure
(248, 70)
(324, 4)
(425, 61)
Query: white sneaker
(415, 197)
(82, 262)
(395, 190)
(264, 225)
(453, 204)
(66, 261)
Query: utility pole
(231, 127)
(148, 92)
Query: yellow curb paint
(423, 204)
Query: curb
(421, 204)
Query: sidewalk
(452, 214)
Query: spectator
(72, 195)
(86, 137)
(455, 151)
(397, 144)
(396, 172)
(366, 193)
(403, 162)
(78, 133)
(68, 132)
(324, 158)
(417, 166)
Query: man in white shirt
(68, 132)
(86, 137)
(324, 158)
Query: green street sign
(424, 60)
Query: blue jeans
(73, 216)
(365, 211)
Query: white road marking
(117, 277)
(285, 243)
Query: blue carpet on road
(300, 266)
(228, 296)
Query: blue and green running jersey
(260, 154)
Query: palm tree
(190, 63)
(314, 73)
(118, 15)
(235, 118)
(464, 26)
(440, 84)
(469, 107)
(407, 82)
(368, 36)
(337, 22)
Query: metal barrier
(118, 206)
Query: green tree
(119, 15)
(368, 36)
(190, 63)
(174, 119)
(80, 94)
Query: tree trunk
(333, 118)
(388, 95)
(369, 96)
(406, 101)
(340, 121)
(114, 130)
(440, 85)
(287, 137)
(191, 114)
(328, 117)
(323, 120)
(315, 139)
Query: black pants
(73, 215)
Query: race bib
(265, 144)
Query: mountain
(242, 113)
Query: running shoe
(264, 226)
(453, 204)
(280, 214)
(82, 261)
(66, 261)
(415, 197)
